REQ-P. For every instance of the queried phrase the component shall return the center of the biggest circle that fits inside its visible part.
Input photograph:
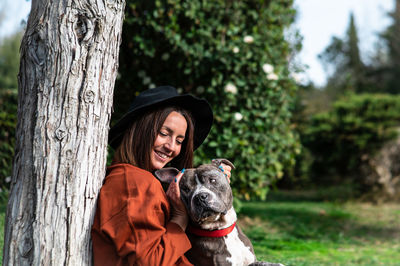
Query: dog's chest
(240, 254)
(227, 250)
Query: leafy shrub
(232, 53)
(8, 120)
(358, 125)
(9, 60)
(9, 65)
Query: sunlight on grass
(323, 233)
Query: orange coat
(131, 226)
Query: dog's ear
(166, 175)
(218, 162)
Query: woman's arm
(133, 220)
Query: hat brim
(199, 108)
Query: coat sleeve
(140, 231)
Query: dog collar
(213, 233)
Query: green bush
(8, 120)
(232, 53)
(9, 65)
(357, 125)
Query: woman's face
(169, 140)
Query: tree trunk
(69, 60)
(380, 174)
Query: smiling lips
(162, 156)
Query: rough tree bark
(69, 58)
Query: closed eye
(163, 134)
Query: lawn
(298, 231)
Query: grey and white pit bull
(215, 237)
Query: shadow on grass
(338, 193)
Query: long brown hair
(138, 140)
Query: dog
(215, 237)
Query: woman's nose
(170, 145)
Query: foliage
(336, 137)
(381, 72)
(357, 125)
(9, 64)
(233, 53)
(342, 59)
(8, 120)
(9, 61)
(387, 73)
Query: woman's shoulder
(128, 173)
(122, 168)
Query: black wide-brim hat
(165, 96)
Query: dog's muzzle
(206, 207)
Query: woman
(136, 223)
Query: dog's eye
(213, 180)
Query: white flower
(236, 49)
(268, 69)
(8, 179)
(141, 74)
(165, 56)
(230, 88)
(272, 76)
(297, 77)
(238, 116)
(152, 86)
(146, 80)
(248, 39)
(200, 89)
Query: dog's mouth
(206, 207)
(206, 215)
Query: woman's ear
(166, 175)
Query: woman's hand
(226, 169)
(225, 166)
(178, 210)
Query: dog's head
(205, 191)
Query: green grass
(297, 232)
(3, 208)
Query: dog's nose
(201, 198)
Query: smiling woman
(169, 140)
(145, 142)
(136, 222)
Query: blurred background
(307, 106)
